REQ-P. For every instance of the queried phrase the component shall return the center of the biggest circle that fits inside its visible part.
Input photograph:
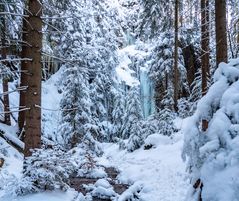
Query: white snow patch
(156, 139)
(161, 171)
(46, 196)
(51, 105)
(124, 73)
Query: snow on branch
(18, 59)
(56, 110)
(13, 14)
(23, 88)
(15, 111)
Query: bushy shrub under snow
(46, 169)
(213, 155)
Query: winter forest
(119, 100)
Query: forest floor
(159, 170)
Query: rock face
(85, 185)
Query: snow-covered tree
(75, 107)
(45, 169)
(118, 116)
(152, 17)
(102, 94)
(133, 113)
(212, 153)
(161, 68)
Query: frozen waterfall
(147, 93)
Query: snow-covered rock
(155, 140)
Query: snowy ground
(160, 170)
(46, 196)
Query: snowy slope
(13, 159)
(51, 105)
(161, 170)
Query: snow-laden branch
(13, 14)
(23, 88)
(17, 59)
(56, 110)
(15, 111)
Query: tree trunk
(33, 93)
(23, 83)
(205, 44)
(191, 63)
(7, 118)
(176, 58)
(221, 31)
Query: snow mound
(156, 139)
(132, 193)
(103, 183)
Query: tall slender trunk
(33, 93)
(221, 31)
(23, 82)
(176, 58)
(205, 50)
(7, 118)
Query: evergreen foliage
(133, 112)
(75, 107)
(46, 169)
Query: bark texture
(23, 82)
(33, 93)
(7, 119)
(221, 31)
(205, 44)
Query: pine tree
(151, 17)
(118, 116)
(75, 107)
(133, 112)
(161, 66)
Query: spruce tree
(133, 112)
(75, 107)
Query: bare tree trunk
(33, 94)
(221, 31)
(205, 50)
(176, 58)
(7, 118)
(205, 44)
(24, 70)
